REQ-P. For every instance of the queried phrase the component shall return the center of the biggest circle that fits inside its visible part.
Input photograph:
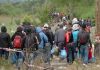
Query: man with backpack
(69, 46)
(17, 40)
(5, 42)
(84, 43)
(30, 45)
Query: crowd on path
(70, 41)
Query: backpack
(17, 43)
(83, 37)
(68, 37)
(30, 40)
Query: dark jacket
(5, 41)
(59, 36)
(50, 36)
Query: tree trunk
(97, 46)
(98, 17)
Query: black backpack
(30, 40)
(83, 37)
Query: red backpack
(17, 41)
(67, 37)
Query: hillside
(40, 9)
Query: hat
(46, 25)
(75, 26)
(75, 20)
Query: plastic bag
(63, 54)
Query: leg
(85, 60)
(82, 52)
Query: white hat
(75, 21)
(75, 26)
(46, 25)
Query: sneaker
(84, 64)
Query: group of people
(73, 37)
(24, 43)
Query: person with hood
(59, 38)
(43, 37)
(43, 46)
(5, 42)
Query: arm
(45, 38)
(90, 41)
(9, 41)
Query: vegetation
(39, 10)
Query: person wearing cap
(48, 32)
(75, 31)
(75, 20)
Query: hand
(76, 49)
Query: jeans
(30, 59)
(70, 56)
(47, 53)
(4, 54)
(17, 58)
(84, 53)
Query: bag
(63, 54)
(30, 40)
(54, 50)
(17, 43)
(83, 38)
(68, 37)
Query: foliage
(40, 9)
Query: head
(83, 26)
(69, 29)
(46, 26)
(26, 23)
(33, 29)
(3, 29)
(38, 29)
(61, 25)
(19, 29)
(28, 31)
(75, 27)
